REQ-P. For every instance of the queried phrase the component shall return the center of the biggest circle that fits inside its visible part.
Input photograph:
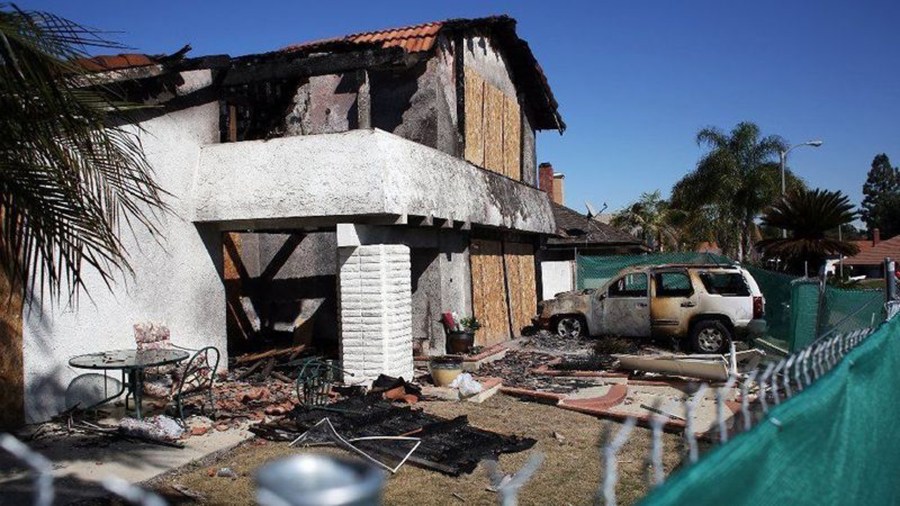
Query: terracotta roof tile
(413, 39)
(874, 255)
(115, 62)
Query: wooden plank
(512, 138)
(12, 366)
(493, 129)
(489, 292)
(474, 103)
(232, 123)
(521, 281)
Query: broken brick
(395, 394)
(199, 430)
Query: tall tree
(733, 182)
(69, 179)
(651, 219)
(881, 202)
(809, 217)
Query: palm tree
(651, 219)
(69, 179)
(733, 182)
(809, 217)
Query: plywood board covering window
(489, 292)
(473, 121)
(493, 127)
(512, 139)
(520, 279)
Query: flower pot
(460, 341)
(445, 369)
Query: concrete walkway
(80, 461)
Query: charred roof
(403, 45)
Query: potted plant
(462, 337)
(444, 369)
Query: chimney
(558, 196)
(545, 178)
(876, 236)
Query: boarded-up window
(473, 121)
(512, 139)
(520, 279)
(493, 127)
(489, 292)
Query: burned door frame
(622, 315)
(670, 313)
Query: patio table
(132, 363)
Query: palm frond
(69, 180)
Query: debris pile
(546, 340)
(517, 370)
(239, 400)
(451, 447)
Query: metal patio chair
(314, 381)
(196, 379)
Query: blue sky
(635, 80)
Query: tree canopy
(808, 216)
(733, 182)
(651, 219)
(881, 202)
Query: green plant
(470, 324)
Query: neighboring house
(347, 191)
(869, 262)
(576, 235)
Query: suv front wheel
(573, 327)
(710, 336)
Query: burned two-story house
(342, 193)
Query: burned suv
(708, 304)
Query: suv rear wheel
(710, 336)
(571, 326)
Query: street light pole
(783, 154)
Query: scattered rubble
(546, 340)
(451, 447)
(517, 369)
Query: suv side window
(673, 284)
(629, 285)
(726, 284)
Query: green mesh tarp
(804, 313)
(776, 288)
(833, 443)
(848, 310)
(593, 271)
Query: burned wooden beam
(245, 72)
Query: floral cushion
(158, 381)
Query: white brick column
(375, 311)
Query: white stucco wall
(355, 173)
(175, 282)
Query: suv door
(623, 309)
(673, 301)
